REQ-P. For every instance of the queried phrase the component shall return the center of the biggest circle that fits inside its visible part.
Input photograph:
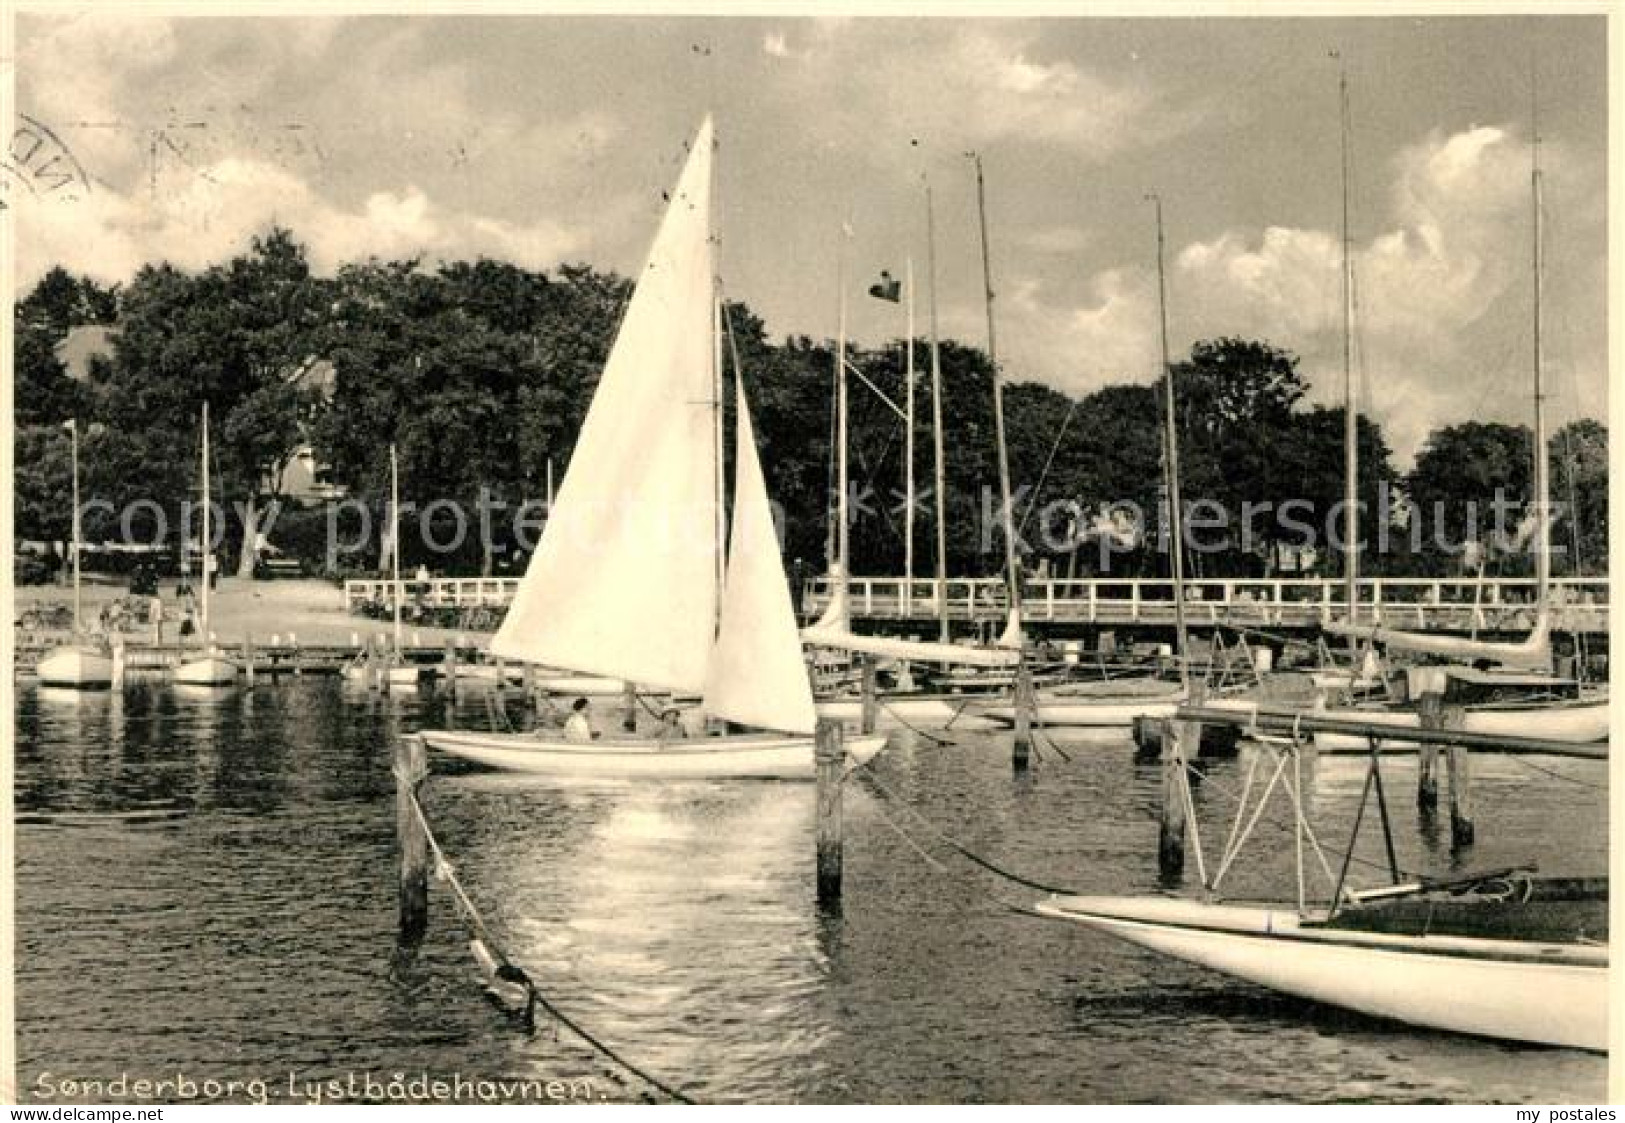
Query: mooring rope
(1556, 775)
(510, 973)
(964, 851)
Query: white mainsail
(756, 674)
(623, 582)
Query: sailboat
(209, 668)
(631, 579)
(397, 673)
(76, 664)
(833, 629)
(1507, 687)
(1091, 706)
(1502, 953)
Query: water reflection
(679, 921)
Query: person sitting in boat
(671, 724)
(576, 726)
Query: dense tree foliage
(480, 374)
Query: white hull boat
(1582, 721)
(1093, 711)
(208, 670)
(1520, 990)
(613, 596)
(587, 686)
(78, 667)
(932, 711)
(766, 756)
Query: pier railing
(1445, 603)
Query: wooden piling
(1171, 834)
(870, 713)
(118, 662)
(527, 680)
(248, 658)
(829, 755)
(502, 673)
(1022, 745)
(411, 769)
(448, 664)
(1459, 764)
(1430, 708)
(629, 699)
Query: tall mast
(394, 540)
(721, 548)
(842, 539)
(936, 423)
(205, 554)
(1351, 452)
(1543, 561)
(73, 436)
(1170, 445)
(908, 484)
(1012, 575)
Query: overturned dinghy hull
(1518, 990)
(766, 756)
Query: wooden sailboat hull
(1518, 990)
(764, 756)
(933, 711)
(77, 667)
(210, 670)
(1577, 722)
(590, 686)
(1087, 711)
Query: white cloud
(1441, 296)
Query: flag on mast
(887, 288)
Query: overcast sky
(546, 139)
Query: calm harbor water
(240, 927)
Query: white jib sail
(623, 582)
(757, 676)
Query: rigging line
(937, 865)
(1556, 775)
(946, 840)
(878, 392)
(1032, 504)
(1272, 820)
(472, 918)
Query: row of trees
(480, 372)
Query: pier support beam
(629, 698)
(1177, 738)
(870, 714)
(248, 658)
(1021, 748)
(448, 664)
(118, 662)
(1430, 708)
(411, 769)
(1459, 763)
(829, 755)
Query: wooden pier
(1481, 605)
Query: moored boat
(76, 666)
(1551, 991)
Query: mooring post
(502, 673)
(1459, 762)
(118, 661)
(629, 698)
(829, 754)
(1430, 708)
(1171, 835)
(527, 681)
(870, 714)
(411, 769)
(248, 657)
(448, 663)
(1021, 748)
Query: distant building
(303, 476)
